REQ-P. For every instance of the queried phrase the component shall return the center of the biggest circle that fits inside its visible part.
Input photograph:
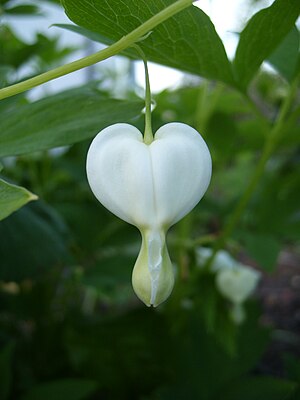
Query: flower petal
(181, 166)
(119, 173)
(152, 276)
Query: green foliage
(70, 325)
(67, 389)
(266, 387)
(287, 50)
(262, 35)
(15, 53)
(6, 356)
(12, 197)
(61, 119)
(263, 248)
(22, 10)
(40, 236)
(188, 41)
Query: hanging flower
(235, 281)
(151, 186)
(237, 284)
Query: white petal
(152, 276)
(149, 186)
(181, 165)
(120, 175)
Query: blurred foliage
(70, 325)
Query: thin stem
(148, 135)
(270, 145)
(110, 51)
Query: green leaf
(187, 41)
(263, 248)
(259, 388)
(96, 37)
(12, 198)
(6, 355)
(205, 369)
(110, 272)
(13, 51)
(262, 35)
(32, 240)
(61, 119)
(65, 389)
(113, 350)
(285, 58)
(25, 9)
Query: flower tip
(144, 289)
(152, 276)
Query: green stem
(148, 134)
(110, 51)
(206, 104)
(270, 145)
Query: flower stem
(110, 51)
(148, 134)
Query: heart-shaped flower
(151, 186)
(238, 283)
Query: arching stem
(148, 134)
(117, 47)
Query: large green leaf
(95, 36)
(285, 58)
(262, 35)
(32, 240)
(61, 119)
(12, 198)
(187, 41)
(65, 389)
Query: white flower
(234, 280)
(152, 187)
(222, 260)
(238, 283)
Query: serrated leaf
(285, 58)
(61, 119)
(187, 41)
(12, 198)
(263, 33)
(65, 389)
